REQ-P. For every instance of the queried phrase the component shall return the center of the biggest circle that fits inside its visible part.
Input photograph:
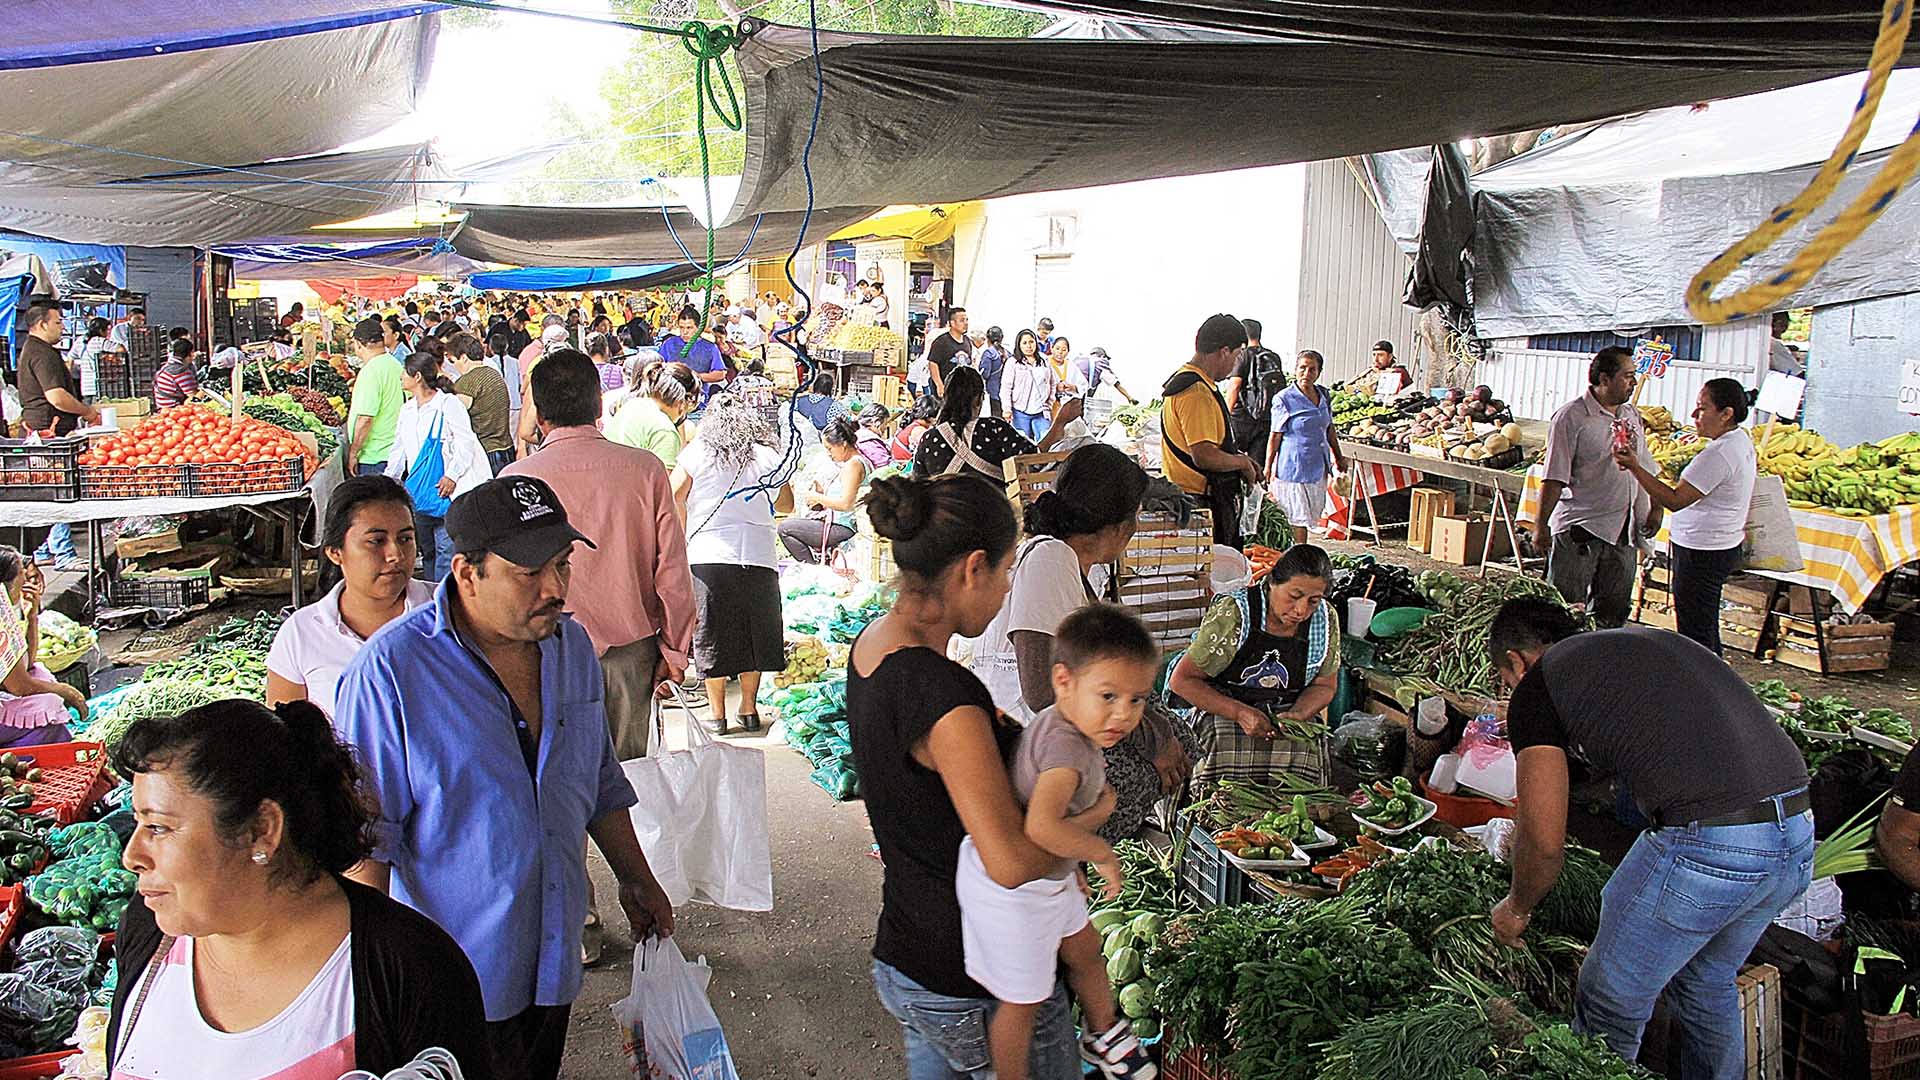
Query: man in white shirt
(743, 331)
(1781, 356)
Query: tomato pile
(223, 457)
(194, 435)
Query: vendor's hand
(74, 698)
(1068, 411)
(1508, 924)
(446, 486)
(1249, 469)
(1542, 540)
(666, 676)
(649, 912)
(1254, 722)
(1110, 877)
(1173, 765)
(33, 584)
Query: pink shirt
(636, 583)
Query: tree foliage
(650, 124)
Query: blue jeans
(499, 459)
(374, 468)
(1681, 913)
(1033, 425)
(947, 1036)
(59, 543)
(436, 548)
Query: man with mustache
(480, 723)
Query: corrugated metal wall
(165, 274)
(1351, 276)
(1535, 382)
(1854, 366)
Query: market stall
(1503, 485)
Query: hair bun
(899, 507)
(1053, 515)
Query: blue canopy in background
(50, 33)
(374, 258)
(559, 278)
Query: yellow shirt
(1189, 417)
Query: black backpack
(1266, 378)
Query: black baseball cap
(515, 517)
(1384, 346)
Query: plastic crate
(44, 471)
(1193, 1063)
(13, 902)
(160, 593)
(43, 1066)
(135, 481)
(1893, 1046)
(1463, 811)
(250, 478)
(73, 777)
(1205, 874)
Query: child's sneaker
(1118, 1054)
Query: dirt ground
(791, 986)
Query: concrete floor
(791, 986)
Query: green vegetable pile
(57, 971)
(1296, 823)
(231, 658)
(840, 619)
(85, 885)
(1134, 417)
(1390, 806)
(1451, 648)
(281, 410)
(1273, 530)
(1439, 588)
(1124, 938)
(155, 699)
(1150, 884)
(61, 636)
(322, 377)
(1278, 978)
(814, 719)
(23, 835)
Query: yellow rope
(1766, 294)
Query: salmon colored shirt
(635, 584)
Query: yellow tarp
(921, 224)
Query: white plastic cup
(109, 417)
(1432, 716)
(1360, 611)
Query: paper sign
(1651, 357)
(1910, 387)
(1780, 394)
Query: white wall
(1150, 261)
(1854, 364)
(1536, 382)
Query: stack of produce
(63, 641)
(58, 972)
(1351, 409)
(327, 410)
(1133, 418)
(1387, 585)
(1872, 478)
(1451, 647)
(842, 619)
(229, 661)
(813, 718)
(85, 885)
(284, 411)
(196, 435)
(807, 661)
(854, 337)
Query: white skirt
(1305, 504)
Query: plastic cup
(1360, 611)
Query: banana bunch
(1868, 479)
(857, 338)
(1658, 420)
(1674, 453)
(807, 660)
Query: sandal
(1118, 1054)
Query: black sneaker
(1118, 1054)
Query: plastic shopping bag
(1772, 541)
(669, 1028)
(702, 819)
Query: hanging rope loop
(1770, 290)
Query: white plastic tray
(1298, 861)
(1425, 815)
(1885, 742)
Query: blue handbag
(424, 475)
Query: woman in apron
(1269, 653)
(963, 441)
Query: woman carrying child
(930, 750)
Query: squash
(1512, 433)
(1497, 444)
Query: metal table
(1501, 482)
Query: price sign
(1651, 357)
(1910, 387)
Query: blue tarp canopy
(562, 278)
(50, 33)
(381, 258)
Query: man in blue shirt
(702, 357)
(480, 722)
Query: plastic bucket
(1360, 612)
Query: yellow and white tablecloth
(1845, 556)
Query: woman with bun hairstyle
(245, 954)
(930, 752)
(1085, 521)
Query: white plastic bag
(669, 1028)
(702, 819)
(1772, 541)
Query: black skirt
(739, 620)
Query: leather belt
(1758, 813)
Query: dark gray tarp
(1726, 34)
(923, 119)
(1438, 274)
(609, 236)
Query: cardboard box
(1426, 504)
(1460, 539)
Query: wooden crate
(1426, 504)
(1760, 1019)
(1832, 649)
(1745, 613)
(133, 547)
(1172, 605)
(1162, 547)
(1030, 474)
(890, 391)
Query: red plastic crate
(1464, 811)
(1194, 1063)
(37, 1067)
(73, 776)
